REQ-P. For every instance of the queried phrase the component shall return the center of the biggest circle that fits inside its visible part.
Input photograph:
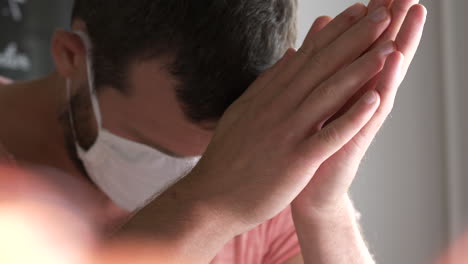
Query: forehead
(152, 81)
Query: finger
(347, 48)
(387, 88)
(316, 41)
(318, 25)
(388, 84)
(374, 4)
(407, 42)
(264, 78)
(320, 146)
(399, 10)
(410, 35)
(330, 96)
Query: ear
(69, 53)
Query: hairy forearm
(181, 227)
(331, 237)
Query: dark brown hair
(218, 47)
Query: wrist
(187, 225)
(206, 206)
(331, 235)
(317, 213)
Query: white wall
(455, 60)
(401, 187)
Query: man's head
(167, 70)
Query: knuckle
(286, 137)
(361, 139)
(309, 47)
(327, 91)
(355, 146)
(264, 75)
(347, 20)
(330, 135)
(264, 114)
(319, 61)
(303, 51)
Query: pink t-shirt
(273, 242)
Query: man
(141, 87)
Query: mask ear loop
(70, 111)
(91, 84)
(92, 91)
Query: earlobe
(69, 53)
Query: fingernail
(356, 10)
(370, 97)
(388, 48)
(379, 15)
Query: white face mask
(131, 174)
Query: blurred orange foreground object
(39, 224)
(458, 253)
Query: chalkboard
(26, 28)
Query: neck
(33, 133)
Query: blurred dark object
(26, 27)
